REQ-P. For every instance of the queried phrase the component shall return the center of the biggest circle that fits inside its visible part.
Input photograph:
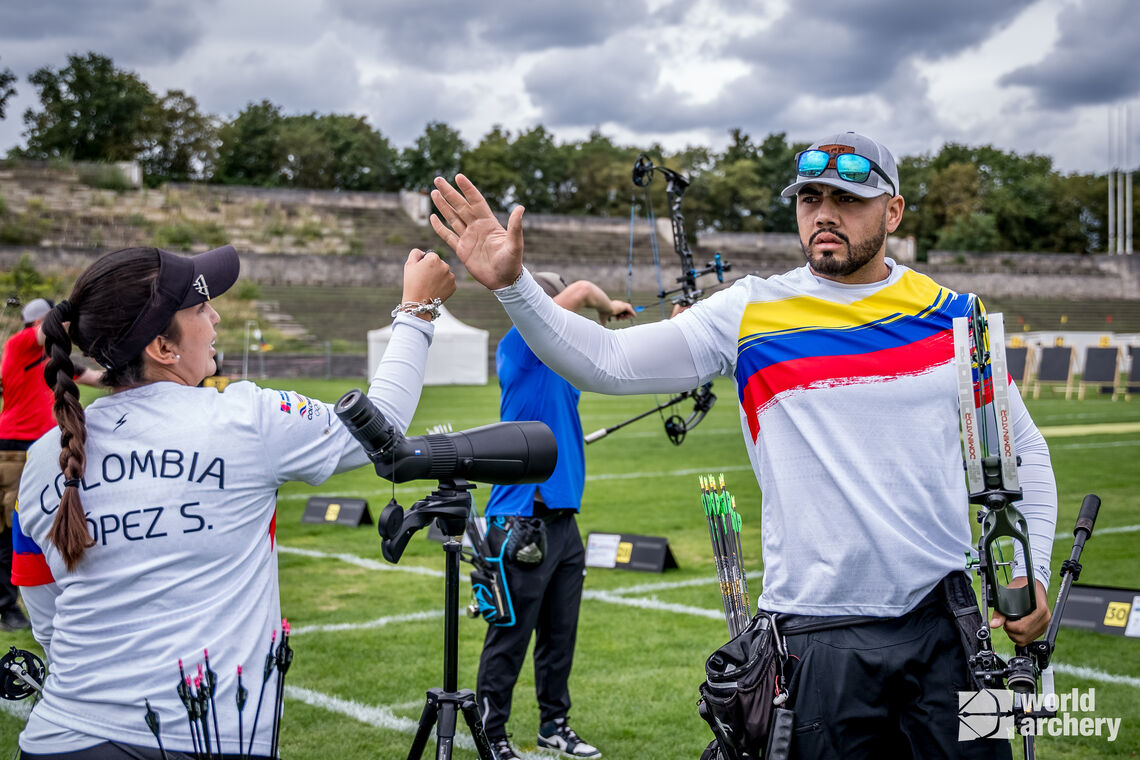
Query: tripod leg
(445, 731)
(427, 720)
(475, 723)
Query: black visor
(182, 282)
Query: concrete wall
(994, 275)
(1059, 276)
(336, 198)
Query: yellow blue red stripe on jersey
(29, 568)
(804, 342)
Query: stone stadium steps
(1035, 315)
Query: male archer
(844, 370)
(546, 590)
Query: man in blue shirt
(546, 594)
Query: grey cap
(851, 142)
(37, 308)
(551, 282)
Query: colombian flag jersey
(790, 345)
(849, 412)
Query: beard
(858, 255)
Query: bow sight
(689, 292)
(993, 484)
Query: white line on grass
(669, 473)
(642, 588)
(352, 559)
(667, 585)
(1091, 674)
(656, 432)
(21, 709)
(651, 604)
(383, 717)
(377, 623)
(1104, 531)
(1097, 445)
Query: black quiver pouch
(526, 543)
(958, 597)
(491, 595)
(743, 688)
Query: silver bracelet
(415, 308)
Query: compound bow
(685, 294)
(994, 485)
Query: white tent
(458, 353)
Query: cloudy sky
(1023, 75)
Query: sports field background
(368, 635)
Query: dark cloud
(323, 78)
(413, 27)
(130, 32)
(1094, 60)
(618, 84)
(530, 25)
(592, 86)
(837, 47)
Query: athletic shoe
(13, 619)
(557, 735)
(501, 749)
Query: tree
(599, 177)
(490, 161)
(92, 111)
(739, 190)
(542, 169)
(250, 149)
(437, 152)
(1083, 213)
(774, 169)
(336, 152)
(7, 80)
(727, 195)
(179, 141)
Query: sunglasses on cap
(849, 166)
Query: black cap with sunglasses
(850, 162)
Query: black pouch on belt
(743, 689)
(526, 544)
(962, 604)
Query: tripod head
(450, 504)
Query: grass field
(368, 635)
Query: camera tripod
(449, 506)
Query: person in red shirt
(26, 414)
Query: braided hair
(104, 303)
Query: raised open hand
(492, 255)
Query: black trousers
(8, 593)
(546, 600)
(884, 689)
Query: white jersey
(848, 406)
(180, 494)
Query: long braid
(69, 530)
